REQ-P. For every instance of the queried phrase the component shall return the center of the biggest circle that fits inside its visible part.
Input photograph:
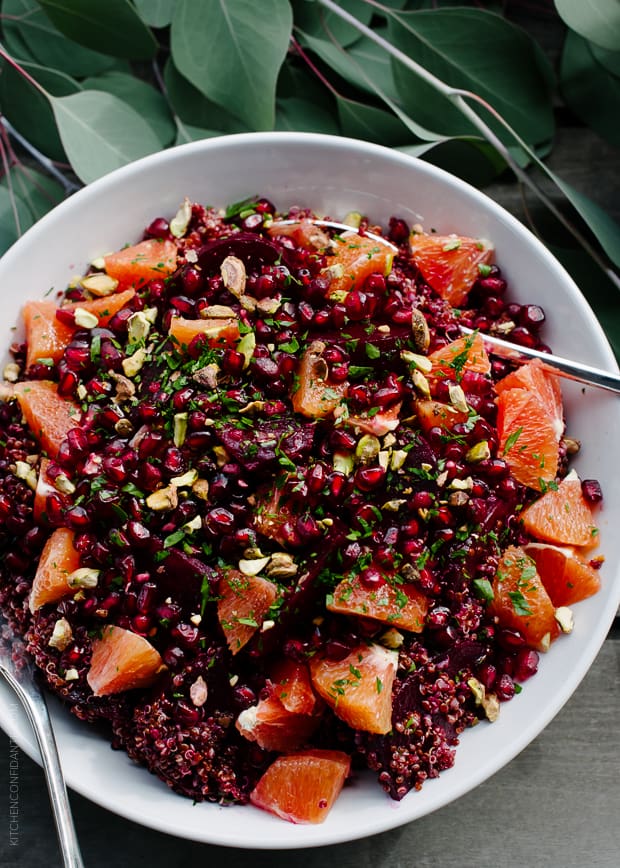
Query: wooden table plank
(557, 804)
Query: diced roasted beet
(260, 448)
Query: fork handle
(36, 708)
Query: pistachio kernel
(100, 284)
(132, 364)
(85, 319)
(479, 452)
(62, 635)
(367, 449)
(11, 372)
(233, 274)
(564, 617)
(253, 566)
(84, 577)
(281, 566)
(180, 221)
(163, 499)
(419, 331)
(198, 692)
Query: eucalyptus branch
(9, 185)
(67, 185)
(458, 98)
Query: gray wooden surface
(557, 804)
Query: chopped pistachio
(84, 577)
(267, 625)
(233, 680)
(186, 479)
(193, 525)
(163, 499)
(281, 566)
(124, 427)
(62, 635)
(384, 458)
(246, 347)
(397, 459)
(81, 391)
(218, 311)
(233, 274)
(393, 505)
(392, 639)
(504, 328)
(421, 383)
(457, 398)
(367, 449)
(11, 372)
(488, 702)
(338, 295)
(85, 319)
(572, 446)
(207, 376)
(458, 498)
(138, 327)
(334, 272)
(343, 462)
(389, 440)
(419, 330)
(252, 553)
(384, 328)
(191, 256)
(132, 364)
(25, 472)
(98, 262)
(195, 619)
(248, 303)
(198, 692)
(180, 428)
(410, 573)
(252, 408)
(442, 478)
(462, 484)
(353, 218)
(99, 284)
(201, 489)
(564, 617)
(180, 221)
(253, 566)
(268, 305)
(545, 642)
(221, 456)
(63, 484)
(479, 452)
(72, 675)
(415, 360)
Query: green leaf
(29, 111)
(362, 121)
(608, 59)
(376, 63)
(142, 97)
(37, 191)
(471, 159)
(100, 133)
(193, 108)
(300, 115)
(155, 13)
(317, 21)
(606, 230)
(247, 43)
(589, 89)
(24, 21)
(477, 51)
(187, 133)
(113, 27)
(15, 217)
(596, 20)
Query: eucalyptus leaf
(113, 27)
(192, 107)
(15, 217)
(155, 13)
(295, 80)
(317, 21)
(471, 159)
(362, 121)
(29, 110)
(595, 20)
(589, 89)
(608, 59)
(39, 192)
(100, 133)
(188, 133)
(46, 45)
(232, 51)
(300, 115)
(605, 229)
(376, 63)
(142, 97)
(477, 51)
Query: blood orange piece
(314, 395)
(244, 602)
(398, 605)
(528, 438)
(562, 515)
(464, 354)
(302, 787)
(58, 560)
(305, 233)
(379, 424)
(293, 687)
(122, 660)
(566, 575)
(436, 414)
(355, 258)
(534, 378)
(135, 266)
(273, 727)
(358, 688)
(104, 308)
(46, 337)
(218, 332)
(520, 601)
(45, 487)
(450, 263)
(48, 416)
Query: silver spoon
(505, 349)
(19, 672)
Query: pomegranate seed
(192, 280)
(398, 230)
(159, 228)
(531, 316)
(66, 316)
(526, 664)
(591, 489)
(510, 639)
(505, 688)
(367, 478)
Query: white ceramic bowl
(334, 176)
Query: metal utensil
(19, 673)
(553, 364)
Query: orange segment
(273, 727)
(398, 605)
(562, 515)
(218, 332)
(378, 424)
(534, 378)
(48, 416)
(358, 688)
(46, 337)
(355, 258)
(432, 414)
(305, 233)
(136, 265)
(293, 687)
(528, 438)
(243, 605)
(105, 308)
(520, 601)
(449, 263)
(122, 660)
(567, 577)
(302, 787)
(58, 560)
(313, 394)
(463, 354)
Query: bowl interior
(333, 176)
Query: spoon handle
(553, 364)
(33, 701)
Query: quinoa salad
(270, 511)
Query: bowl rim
(311, 836)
